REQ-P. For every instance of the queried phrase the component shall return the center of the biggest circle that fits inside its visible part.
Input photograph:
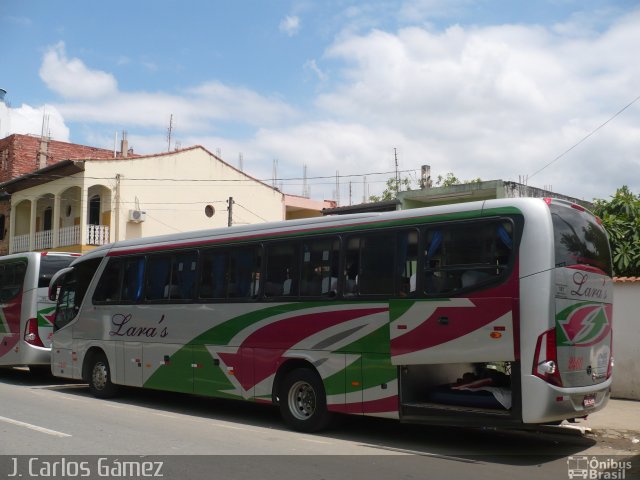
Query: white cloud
(290, 25)
(71, 78)
(29, 120)
(491, 102)
(312, 66)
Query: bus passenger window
(213, 277)
(108, 288)
(320, 267)
(133, 279)
(282, 269)
(244, 268)
(158, 277)
(466, 256)
(369, 265)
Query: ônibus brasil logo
(584, 324)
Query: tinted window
(11, 279)
(380, 263)
(49, 265)
(230, 273)
(319, 272)
(464, 256)
(579, 239)
(171, 277)
(121, 281)
(282, 269)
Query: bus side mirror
(56, 282)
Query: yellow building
(75, 205)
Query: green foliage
(621, 218)
(393, 188)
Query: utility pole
(169, 131)
(230, 210)
(395, 155)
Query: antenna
(395, 155)
(218, 153)
(274, 173)
(364, 189)
(169, 130)
(305, 186)
(337, 187)
(240, 162)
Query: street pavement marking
(34, 427)
(315, 441)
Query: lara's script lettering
(121, 329)
(583, 289)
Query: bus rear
(26, 313)
(573, 359)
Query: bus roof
(314, 224)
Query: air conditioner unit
(137, 216)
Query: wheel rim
(302, 400)
(99, 376)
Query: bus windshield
(579, 240)
(49, 265)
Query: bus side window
(465, 256)
(406, 262)
(244, 272)
(214, 274)
(133, 279)
(158, 281)
(374, 270)
(11, 280)
(108, 288)
(319, 267)
(282, 269)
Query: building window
(94, 210)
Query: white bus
(484, 313)
(26, 313)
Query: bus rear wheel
(303, 402)
(100, 377)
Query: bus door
(468, 290)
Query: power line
(587, 136)
(46, 176)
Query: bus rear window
(49, 265)
(579, 240)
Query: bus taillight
(31, 335)
(611, 362)
(545, 363)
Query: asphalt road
(196, 437)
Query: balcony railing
(97, 234)
(67, 236)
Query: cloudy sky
(482, 88)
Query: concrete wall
(626, 340)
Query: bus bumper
(545, 403)
(32, 355)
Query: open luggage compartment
(460, 393)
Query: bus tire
(303, 402)
(100, 377)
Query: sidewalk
(617, 425)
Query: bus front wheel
(100, 377)
(303, 403)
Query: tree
(621, 218)
(393, 188)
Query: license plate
(589, 401)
